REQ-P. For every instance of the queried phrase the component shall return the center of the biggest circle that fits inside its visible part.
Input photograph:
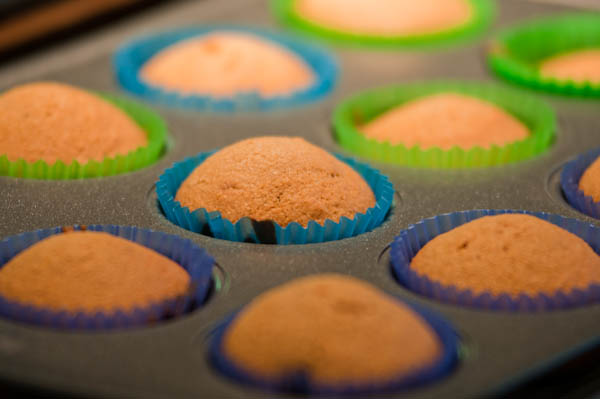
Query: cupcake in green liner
(560, 54)
(387, 23)
(445, 124)
(55, 131)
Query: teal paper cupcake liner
(131, 57)
(148, 120)
(197, 263)
(269, 232)
(516, 52)
(483, 15)
(365, 106)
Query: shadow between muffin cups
(406, 245)
(197, 263)
(366, 105)
(569, 182)
(269, 232)
(129, 59)
(300, 382)
(517, 51)
(148, 120)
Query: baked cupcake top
(579, 66)
(446, 120)
(590, 181)
(509, 254)
(335, 328)
(223, 64)
(283, 179)
(386, 17)
(91, 271)
(53, 121)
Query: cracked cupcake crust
(283, 179)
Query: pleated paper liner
(517, 52)
(188, 255)
(569, 181)
(130, 58)
(410, 241)
(270, 232)
(482, 18)
(300, 382)
(148, 120)
(365, 106)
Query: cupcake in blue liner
(571, 183)
(265, 229)
(412, 240)
(131, 58)
(339, 299)
(193, 260)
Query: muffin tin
(500, 350)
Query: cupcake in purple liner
(333, 334)
(500, 260)
(579, 181)
(100, 277)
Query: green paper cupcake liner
(516, 53)
(483, 15)
(363, 107)
(148, 120)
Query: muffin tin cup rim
(483, 14)
(569, 182)
(130, 58)
(270, 232)
(407, 244)
(448, 338)
(537, 115)
(512, 67)
(195, 260)
(152, 124)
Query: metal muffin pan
(500, 349)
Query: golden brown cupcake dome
(293, 193)
(333, 334)
(507, 260)
(579, 183)
(100, 277)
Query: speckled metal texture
(170, 360)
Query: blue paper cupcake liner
(192, 258)
(269, 232)
(410, 241)
(128, 60)
(569, 181)
(299, 382)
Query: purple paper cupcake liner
(406, 245)
(269, 232)
(195, 260)
(569, 181)
(299, 382)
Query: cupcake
(77, 278)
(333, 334)
(579, 182)
(526, 261)
(444, 124)
(446, 120)
(224, 69)
(284, 187)
(54, 123)
(560, 53)
(222, 64)
(387, 22)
